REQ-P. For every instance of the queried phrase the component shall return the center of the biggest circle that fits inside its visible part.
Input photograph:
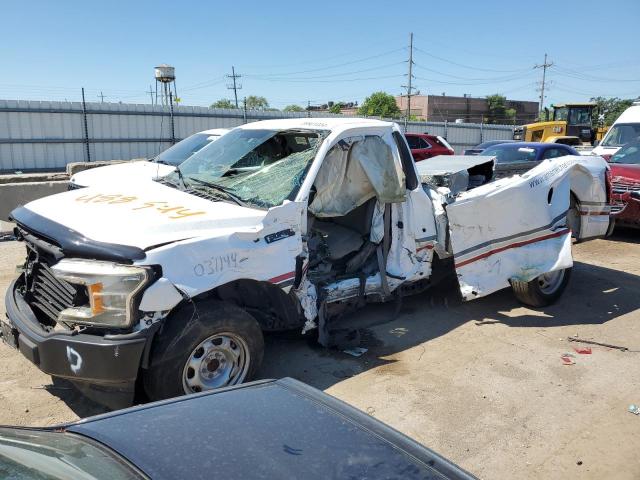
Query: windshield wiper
(219, 188)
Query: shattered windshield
(257, 167)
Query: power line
(333, 75)
(523, 73)
(331, 66)
(298, 80)
(467, 66)
(590, 78)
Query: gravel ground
(481, 383)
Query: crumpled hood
(121, 173)
(142, 216)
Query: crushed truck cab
(278, 225)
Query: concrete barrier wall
(13, 195)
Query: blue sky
(294, 52)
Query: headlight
(110, 289)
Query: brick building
(438, 108)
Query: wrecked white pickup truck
(283, 224)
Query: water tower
(165, 79)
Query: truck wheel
(203, 346)
(611, 228)
(574, 219)
(542, 290)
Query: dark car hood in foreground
(269, 430)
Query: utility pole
(150, 92)
(101, 97)
(408, 86)
(235, 87)
(244, 110)
(544, 67)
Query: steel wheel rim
(220, 360)
(550, 282)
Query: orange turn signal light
(95, 291)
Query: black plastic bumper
(104, 368)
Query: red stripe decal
(284, 276)
(426, 247)
(594, 213)
(513, 245)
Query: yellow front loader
(571, 125)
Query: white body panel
(515, 228)
(120, 173)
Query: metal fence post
(173, 128)
(446, 128)
(86, 127)
(482, 129)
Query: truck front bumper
(104, 368)
(626, 210)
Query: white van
(163, 164)
(624, 130)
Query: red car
(425, 146)
(625, 179)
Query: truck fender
(160, 296)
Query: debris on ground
(356, 351)
(635, 409)
(583, 350)
(591, 342)
(568, 358)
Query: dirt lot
(481, 383)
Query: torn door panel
(354, 171)
(514, 228)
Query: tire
(574, 220)
(203, 346)
(536, 294)
(611, 228)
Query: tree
(257, 103)
(498, 111)
(380, 104)
(609, 109)
(223, 103)
(293, 108)
(335, 108)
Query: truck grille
(48, 293)
(620, 187)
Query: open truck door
(515, 230)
